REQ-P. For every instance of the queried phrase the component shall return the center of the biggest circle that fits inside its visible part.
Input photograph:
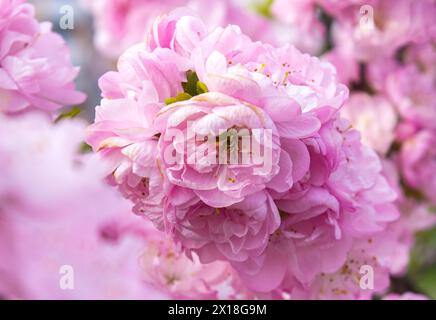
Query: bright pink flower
(35, 63)
(321, 193)
(216, 184)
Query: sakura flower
(35, 63)
(374, 117)
(299, 213)
(215, 184)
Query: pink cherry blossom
(35, 63)
(281, 226)
(374, 117)
(33, 186)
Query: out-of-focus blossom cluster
(35, 66)
(56, 213)
(338, 96)
(122, 23)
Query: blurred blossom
(374, 117)
(122, 23)
(82, 223)
(35, 63)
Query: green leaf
(74, 112)
(183, 96)
(190, 86)
(426, 281)
(422, 256)
(201, 88)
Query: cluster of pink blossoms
(303, 226)
(35, 63)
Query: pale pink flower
(35, 63)
(323, 193)
(374, 117)
(366, 258)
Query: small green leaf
(74, 112)
(190, 86)
(169, 101)
(183, 96)
(85, 148)
(201, 88)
